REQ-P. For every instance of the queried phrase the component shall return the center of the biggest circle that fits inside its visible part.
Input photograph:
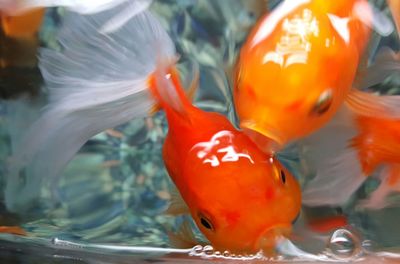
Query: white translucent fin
(335, 182)
(189, 71)
(20, 115)
(324, 145)
(374, 18)
(14, 7)
(184, 237)
(132, 9)
(97, 81)
(395, 9)
(368, 104)
(168, 93)
(177, 205)
(326, 155)
(386, 63)
(379, 198)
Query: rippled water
(109, 203)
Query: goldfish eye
(283, 176)
(206, 222)
(323, 103)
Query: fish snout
(268, 140)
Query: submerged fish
(369, 142)
(25, 25)
(240, 198)
(360, 142)
(16, 230)
(298, 66)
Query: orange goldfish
(236, 194)
(25, 25)
(297, 67)
(327, 224)
(16, 230)
(240, 198)
(362, 138)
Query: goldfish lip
(265, 138)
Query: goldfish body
(297, 67)
(239, 197)
(25, 25)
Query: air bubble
(208, 250)
(55, 241)
(196, 251)
(344, 244)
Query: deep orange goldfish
(239, 197)
(327, 224)
(16, 230)
(24, 25)
(298, 66)
(360, 141)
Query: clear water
(110, 199)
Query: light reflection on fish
(242, 199)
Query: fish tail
(15, 230)
(394, 6)
(97, 80)
(371, 17)
(334, 165)
(386, 63)
(167, 89)
(337, 153)
(390, 182)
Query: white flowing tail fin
(97, 81)
(386, 63)
(337, 169)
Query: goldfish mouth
(270, 237)
(265, 138)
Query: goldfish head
(283, 105)
(242, 205)
(292, 78)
